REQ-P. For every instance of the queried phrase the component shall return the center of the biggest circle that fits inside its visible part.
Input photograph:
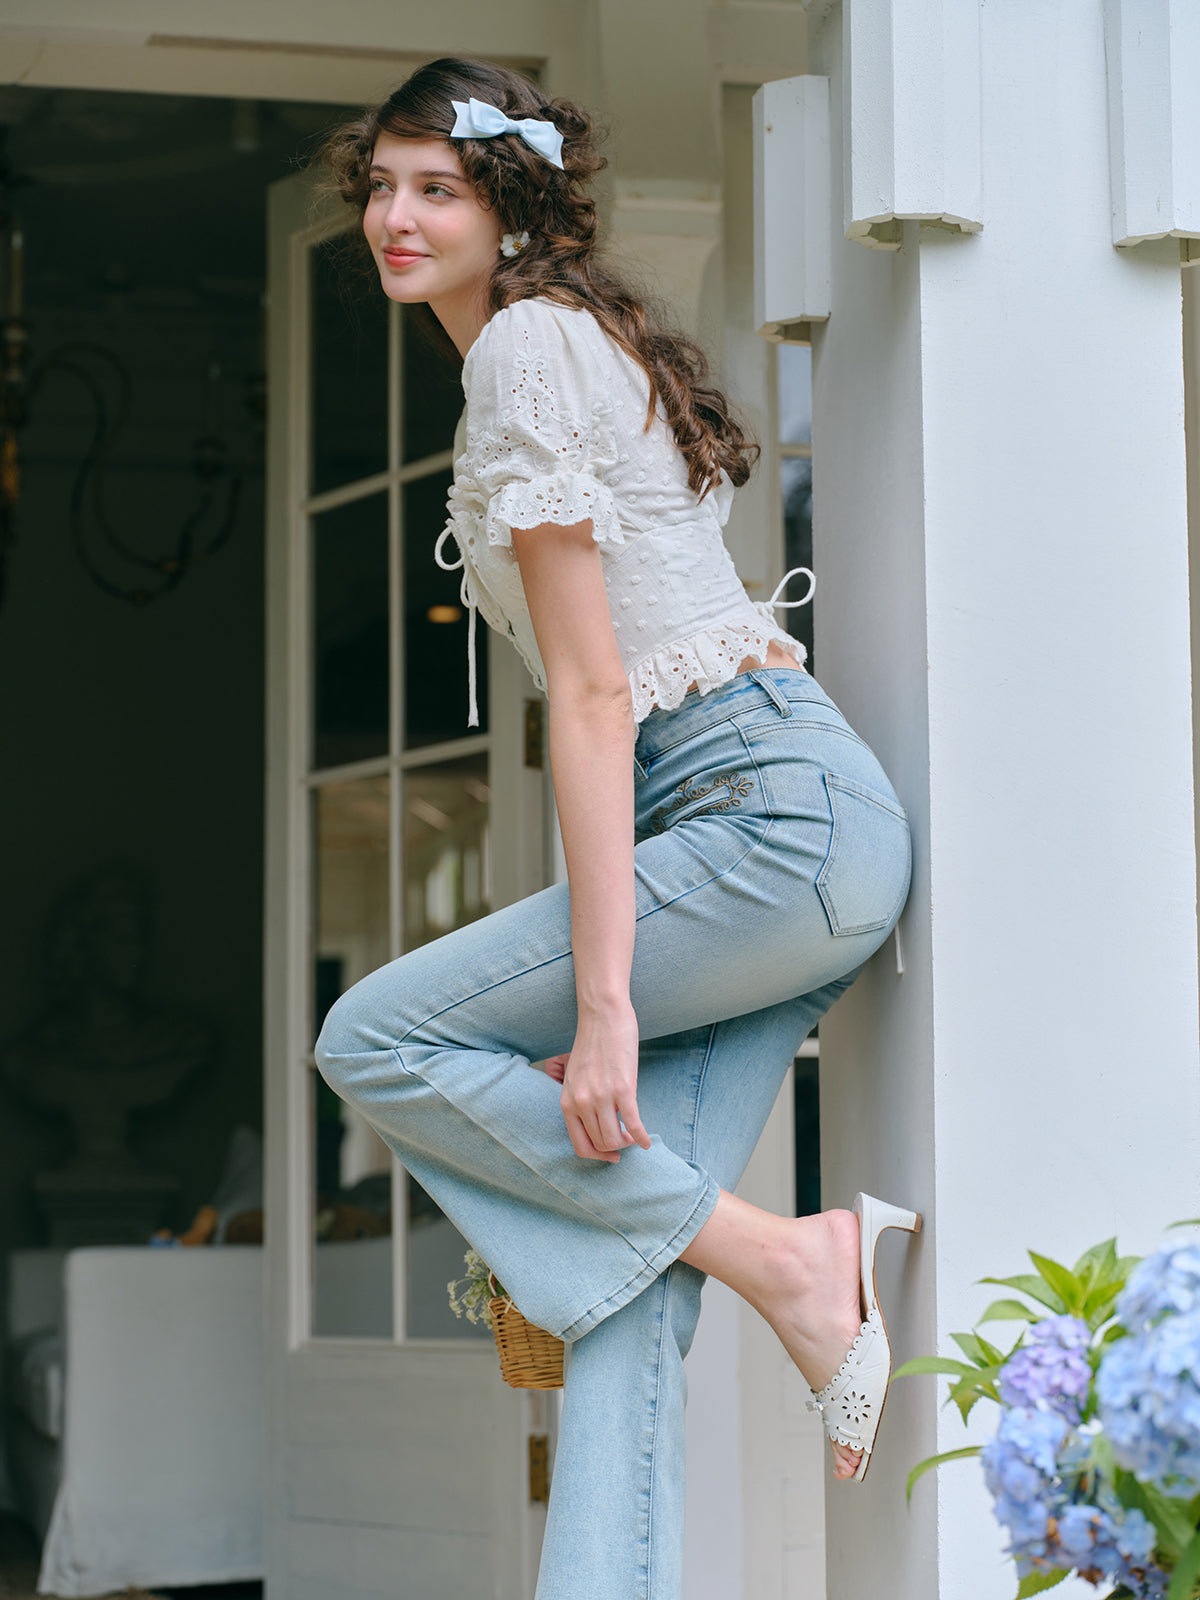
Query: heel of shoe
(873, 1217)
(876, 1215)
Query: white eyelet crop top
(554, 432)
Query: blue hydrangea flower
(1035, 1436)
(1169, 1280)
(1124, 1553)
(1150, 1584)
(1034, 1469)
(1079, 1530)
(1020, 1469)
(1135, 1537)
(1115, 1543)
(1148, 1385)
(1051, 1369)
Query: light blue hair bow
(477, 120)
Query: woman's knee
(353, 1033)
(335, 1046)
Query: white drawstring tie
(466, 594)
(787, 605)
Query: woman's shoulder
(536, 326)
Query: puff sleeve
(538, 423)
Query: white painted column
(1191, 384)
(1001, 545)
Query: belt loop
(639, 768)
(773, 692)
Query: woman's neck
(463, 317)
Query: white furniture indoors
(135, 1414)
(135, 1397)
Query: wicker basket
(530, 1358)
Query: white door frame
(340, 1410)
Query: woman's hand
(599, 1079)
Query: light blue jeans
(772, 859)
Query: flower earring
(510, 246)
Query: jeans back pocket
(864, 879)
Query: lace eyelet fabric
(554, 435)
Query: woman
(734, 852)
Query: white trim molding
(912, 144)
(1152, 50)
(792, 235)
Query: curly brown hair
(560, 262)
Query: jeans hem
(653, 1268)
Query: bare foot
(801, 1274)
(816, 1312)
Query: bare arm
(592, 735)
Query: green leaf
(1102, 1458)
(1035, 1287)
(996, 1358)
(1187, 1570)
(922, 1364)
(1102, 1291)
(1100, 1260)
(936, 1461)
(1099, 1305)
(973, 1388)
(1008, 1311)
(977, 1350)
(1171, 1519)
(1185, 1222)
(1096, 1270)
(1039, 1582)
(1064, 1284)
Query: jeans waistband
(777, 687)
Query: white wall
(1191, 371)
(1001, 538)
(227, 47)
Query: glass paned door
(399, 811)
(395, 1456)
(352, 1289)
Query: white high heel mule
(851, 1403)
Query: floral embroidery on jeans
(689, 794)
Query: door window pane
(435, 1259)
(351, 936)
(350, 632)
(447, 848)
(435, 626)
(795, 393)
(433, 392)
(352, 1259)
(447, 883)
(352, 1224)
(796, 473)
(807, 1112)
(350, 367)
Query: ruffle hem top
(554, 432)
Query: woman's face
(431, 239)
